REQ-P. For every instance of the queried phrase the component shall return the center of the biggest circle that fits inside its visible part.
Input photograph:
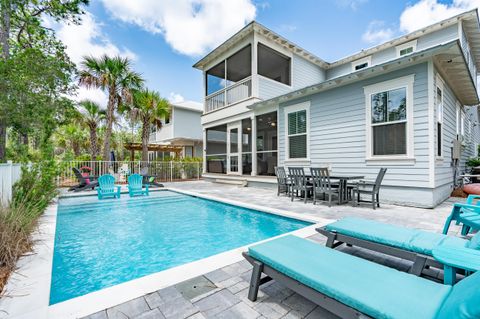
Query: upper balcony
(239, 77)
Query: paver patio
(223, 292)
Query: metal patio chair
(323, 186)
(299, 182)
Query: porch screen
(389, 122)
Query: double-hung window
(297, 117)
(439, 109)
(389, 119)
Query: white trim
(439, 115)
(367, 59)
(431, 123)
(401, 82)
(304, 106)
(237, 125)
(412, 44)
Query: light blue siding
(424, 42)
(337, 131)
(305, 73)
(268, 89)
(187, 124)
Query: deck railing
(162, 171)
(229, 95)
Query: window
(406, 48)
(362, 63)
(267, 143)
(235, 68)
(167, 119)
(439, 109)
(273, 65)
(297, 131)
(388, 115)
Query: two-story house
(409, 104)
(182, 128)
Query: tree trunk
(145, 138)
(76, 148)
(5, 11)
(93, 142)
(25, 139)
(108, 131)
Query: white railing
(161, 171)
(229, 95)
(9, 174)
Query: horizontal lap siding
(337, 130)
(268, 89)
(305, 73)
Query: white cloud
(88, 39)
(175, 97)
(95, 95)
(426, 12)
(352, 4)
(190, 27)
(377, 32)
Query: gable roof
(470, 19)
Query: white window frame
(462, 123)
(305, 106)
(398, 83)
(367, 59)
(412, 44)
(439, 112)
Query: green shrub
(473, 161)
(31, 196)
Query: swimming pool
(99, 244)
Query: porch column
(204, 146)
(254, 146)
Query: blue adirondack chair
(107, 187)
(467, 214)
(135, 185)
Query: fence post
(198, 170)
(171, 171)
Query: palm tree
(116, 77)
(73, 136)
(147, 108)
(92, 115)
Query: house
(182, 128)
(409, 104)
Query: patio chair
(299, 182)
(135, 185)
(467, 214)
(401, 242)
(352, 287)
(149, 179)
(323, 186)
(107, 187)
(84, 183)
(369, 188)
(283, 182)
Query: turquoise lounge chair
(352, 287)
(135, 185)
(107, 187)
(406, 243)
(467, 214)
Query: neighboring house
(409, 104)
(182, 128)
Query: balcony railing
(229, 95)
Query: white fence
(9, 175)
(160, 171)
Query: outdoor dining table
(342, 184)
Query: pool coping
(33, 276)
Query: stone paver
(228, 297)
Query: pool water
(99, 244)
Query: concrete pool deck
(222, 293)
(219, 289)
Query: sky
(164, 38)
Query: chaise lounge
(402, 242)
(84, 183)
(352, 287)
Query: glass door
(233, 151)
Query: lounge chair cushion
(373, 289)
(464, 300)
(474, 242)
(410, 239)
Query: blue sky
(165, 38)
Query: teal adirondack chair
(107, 187)
(467, 214)
(135, 185)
